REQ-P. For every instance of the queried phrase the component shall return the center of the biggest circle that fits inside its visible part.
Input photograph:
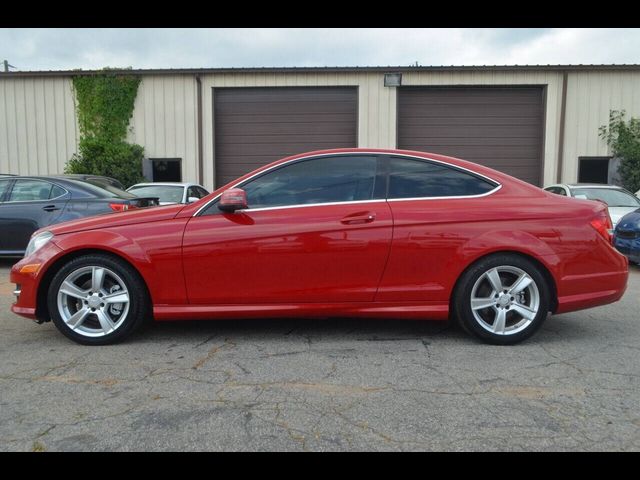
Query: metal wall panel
(38, 128)
(165, 120)
(590, 97)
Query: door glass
(57, 191)
(193, 192)
(417, 179)
(4, 185)
(321, 180)
(556, 190)
(30, 190)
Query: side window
(202, 191)
(194, 192)
(418, 179)
(4, 186)
(321, 180)
(30, 190)
(57, 191)
(556, 190)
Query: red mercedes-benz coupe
(334, 233)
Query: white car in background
(170, 192)
(618, 200)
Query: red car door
(312, 233)
(436, 210)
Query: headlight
(38, 241)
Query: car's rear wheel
(97, 300)
(502, 299)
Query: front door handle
(50, 208)
(359, 217)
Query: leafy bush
(116, 159)
(624, 139)
(105, 106)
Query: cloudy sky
(62, 49)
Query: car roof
(593, 185)
(81, 175)
(170, 184)
(69, 183)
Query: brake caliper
(115, 308)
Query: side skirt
(415, 311)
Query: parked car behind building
(618, 200)
(627, 236)
(170, 192)
(30, 203)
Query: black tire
(475, 276)
(128, 322)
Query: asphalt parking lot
(324, 385)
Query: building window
(166, 169)
(594, 170)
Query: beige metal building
(538, 123)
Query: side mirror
(232, 200)
(192, 199)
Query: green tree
(624, 139)
(104, 103)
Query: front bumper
(629, 247)
(27, 279)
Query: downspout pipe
(199, 127)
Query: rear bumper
(27, 292)
(611, 289)
(578, 291)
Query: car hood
(616, 213)
(631, 221)
(116, 219)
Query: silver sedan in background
(618, 200)
(170, 192)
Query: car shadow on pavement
(560, 328)
(371, 329)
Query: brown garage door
(500, 127)
(255, 126)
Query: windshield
(166, 193)
(613, 198)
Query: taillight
(121, 207)
(603, 226)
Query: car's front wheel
(97, 300)
(502, 299)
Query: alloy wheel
(93, 301)
(505, 300)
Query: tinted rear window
(419, 179)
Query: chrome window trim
(37, 180)
(498, 187)
(302, 205)
(364, 152)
